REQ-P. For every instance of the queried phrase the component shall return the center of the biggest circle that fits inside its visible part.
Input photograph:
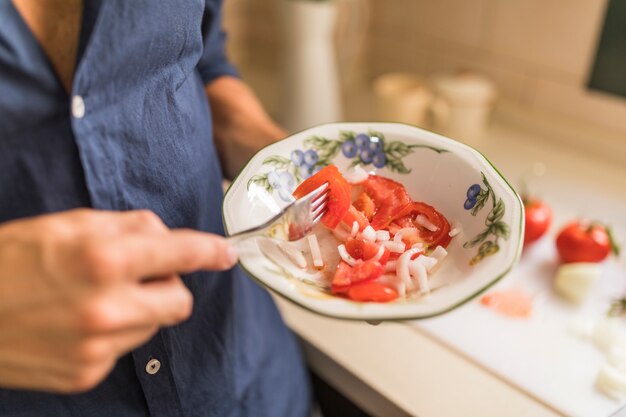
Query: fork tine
(313, 195)
(317, 210)
(319, 200)
(317, 218)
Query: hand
(81, 288)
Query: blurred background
(527, 62)
(539, 86)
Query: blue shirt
(144, 141)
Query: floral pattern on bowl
(434, 169)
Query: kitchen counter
(394, 369)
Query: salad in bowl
(416, 224)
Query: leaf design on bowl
(495, 228)
(364, 149)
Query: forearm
(241, 125)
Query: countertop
(394, 369)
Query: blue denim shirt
(143, 139)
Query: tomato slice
(365, 205)
(338, 194)
(362, 271)
(354, 215)
(372, 291)
(406, 218)
(389, 197)
(365, 250)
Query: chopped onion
(380, 253)
(356, 175)
(453, 232)
(345, 255)
(418, 272)
(397, 247)
(316, 253)
(423, 221)
(402, 266)
(612, 382)
(404, 231)
(608, 333)
(294, 255)
(390, 266)
(369, 234)
(439, 253)
(382, 235)
(427, 261)
(355, 229)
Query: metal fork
(294, 222)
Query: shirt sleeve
(214, 62)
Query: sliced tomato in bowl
(339, 197)
(362, 271)
(408, 218)
(389, 198)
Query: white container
(402, 97)
(312, 94)
(469, 102)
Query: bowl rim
(397, 317)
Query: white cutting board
(541, 355)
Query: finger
(130, 305)
(180, 251)
(112, 223)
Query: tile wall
(539, 52)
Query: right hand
(81, 288)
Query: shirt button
(153, 366)
(78, 107)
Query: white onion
(390, 266)
(400, 233)
(345, 255)
(427, 261)
(423, 221)
(294, 255)
(418, 272)
(356, 175)
(380, 253)
(439, 253)
(397, 247)
(402, 266)
(612, 382)
(355, 229)
(382, 235)
(453, 232)
(316, 253)
(369, 234)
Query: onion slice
(369, 234)
(382, 235)
(355, 229)
(316, 253)
(423, 221)
(418, 272)
(343, 252)
(356, 175)
(402, 266)
(397, 247)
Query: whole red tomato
(582, 241)
(538, 219)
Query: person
(118, 298)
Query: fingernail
(231, 255)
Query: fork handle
(246, 234)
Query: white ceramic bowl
(434, 169)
